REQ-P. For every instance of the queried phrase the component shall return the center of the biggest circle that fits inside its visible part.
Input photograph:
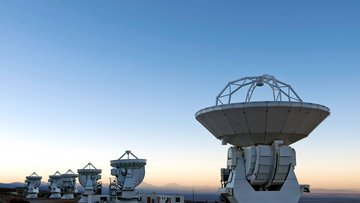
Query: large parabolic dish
(285, 117)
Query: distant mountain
(176, 188)
(12, 185)
(334, 191)
(198, 193)
(147, 185)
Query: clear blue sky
(83, 81)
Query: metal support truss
(281, 91)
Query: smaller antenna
(33, 182)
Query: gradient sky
(83, 81)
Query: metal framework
(281, 90)
(57, 173)
(90, 166)
(69, 172)
(128, 153)
(34, 175)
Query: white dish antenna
(33, 182)
(260, 164)
(55, 185)
(130, 172)
(69, 184)
(88, 178)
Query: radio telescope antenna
(129, 172)
(261, 159)
(33, 182)
(69, 184)
(88, 178)
(55, 185)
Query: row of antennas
(281, 91)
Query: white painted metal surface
(254, 123)
(55, 185)
(33, 182)
(129, 172)
(238, 188)
(88, 178)
(69, 187)
(260, 165)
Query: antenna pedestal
(32, 194)
(55, 195)
(260, 174)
